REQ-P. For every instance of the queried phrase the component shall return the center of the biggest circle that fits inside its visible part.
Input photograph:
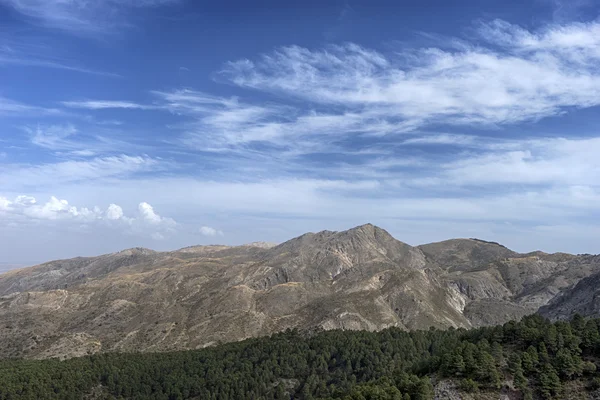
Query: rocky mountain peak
(323, 256)
(368, 231)
(363, 239)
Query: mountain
(362, 278)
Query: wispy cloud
(509, 75)
(106, 104)
(570, 10)
(42, 175)
(17, 49)
(229, 124)
(10, 107)
(445, 139)
(32, 61)
(53, 136)
(82, 140)
(532, 75)
(81, 16)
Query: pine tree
(280, 393)
(470, 361)
(514, 362)
(457, 364)
(498, 354)
(549, 382)
(519, 379)
(590, 336)
(543, 353)
(551, 339)
(578, 323)
(424, 390)
(469, 385)
(567, 364)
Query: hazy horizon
(7, 266)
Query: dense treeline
(534, 357)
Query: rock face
(583, 298)
(363, 278)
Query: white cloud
(53, 209)
(26, 209)
(114, 212)
(24, 200)
(209, 231)
(149, 215)
(4, 204)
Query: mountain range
(363, 278)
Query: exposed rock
(582, 299)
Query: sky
(170, 123)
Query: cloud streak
(12, 108)
(106, 104)
(34, 51)
(81, 16)
(54, 174)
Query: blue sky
(167, 123)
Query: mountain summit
(327, 255)
(362, 278)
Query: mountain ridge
(362, 278)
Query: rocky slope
(363, 278)
(583, 298)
